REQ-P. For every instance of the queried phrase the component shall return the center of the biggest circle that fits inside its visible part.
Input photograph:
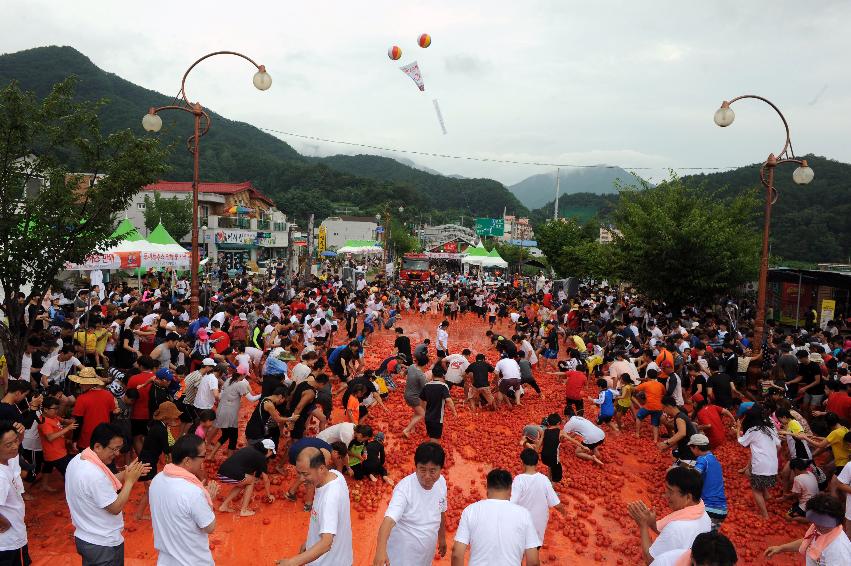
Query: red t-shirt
(53, 449)
(839, 403)
(711, 415)
(548, 300)
(140, 405)
(223, 342)
(574, 385)
(95, 406)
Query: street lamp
(802, 175)
(151, 122)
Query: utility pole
(308, 262)
(558, 179)
(288, 272)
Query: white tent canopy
(133, 254)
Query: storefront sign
(322, 242)
(828, 307)
(243, 237)
(444, 255)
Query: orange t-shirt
(665, 361)
(353, 407)
(654, 391)
(53, 449)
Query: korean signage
(243, 237)
(828, 307)
(490, 226)
(322, 242)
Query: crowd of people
(122, 387)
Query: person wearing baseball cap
(241, 470)
(707, 464)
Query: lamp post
(153, 123)
(802, 175)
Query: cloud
(467, 65)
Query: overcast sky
(627, 83)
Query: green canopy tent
(126, 231)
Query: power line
(488, 159)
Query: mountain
(537, 190)
(810, 223)
(483, 196)
(236, 151)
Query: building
(339, 229)
(237, 222)
(517, 229)
(607, 235)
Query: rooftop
(215, 188)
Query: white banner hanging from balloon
(439, 116)
(413, 71)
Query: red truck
(415, 268)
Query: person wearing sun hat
(158, 441)
(94, 405)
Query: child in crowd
(53, 432)
(624, 400)
(357, 451)
(373, 466)
(206, 418)
(804, 486)
(436, 396)
(606, 401)
(550, 446)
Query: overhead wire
(487, 159)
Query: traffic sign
(490, 226)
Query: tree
(175, 214)
(300, 203)
(572, 250)
(49, 215)
(401, 241)
(680, 243)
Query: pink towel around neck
(690, 513)
(89, 455)
(174, 471)
(815, 543)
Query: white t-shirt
(678, 535)
(331, 514)
(57, 371)
(342, 432)
(88, 492)
(457, 365)
(531, 355)
(300, 372)
(497, 531)
(845, 478)
(256, 354)
(669, 558)
(26, 367)
(32, 440)
(417, 514)
(507, 369)
(838, 552)
(589, 432)
(12, 506)
(442, 339)
(179, 510)
(536, 494)
(763, 450)
(204, 398)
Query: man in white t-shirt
(415, 520)
(342, 432)
(707, 548)
(534, 491)
(498, 532)
(508, 372)
(688, 518)
(96, 497)
(456, 365)
(329, 534)
(208, 392)
(592, 437)
(13, 539)
(181, 513)
(844, 486)
(57, 368)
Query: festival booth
(361, 247)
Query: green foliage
(401, 240)
(48, 214)
(572, 249)
(682, 243)
(175, 214)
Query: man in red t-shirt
(838, 400)
(219, 338)
(709, 420)
(573, 391)
(139, 390)
(94, 405)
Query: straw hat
(167, 410)
(86, 376)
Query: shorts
(303, 443)
(577, 404)
(717, 516)
(97, 554)
(492, 319)
(433, 429)
(813, 400)
(549, 353)
(441, 353)
(655, 416)
(17, 557)
(138, 427)
(413, 403)
(509, 386)
(593, 445)
(763, 482)
(230, 481)
(621, 410)
(61, 464)
(796, 511)
(604, 419)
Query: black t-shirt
(808, 373)
(403, 345)
(480, 370)
(123, 356)
(374, 453)
(721, 389)
(683, 450)
(256, 427)
(248, 460)
(435, 394)
(697, 381)
(155, 444)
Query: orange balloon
(424, 40)
(394, 52)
